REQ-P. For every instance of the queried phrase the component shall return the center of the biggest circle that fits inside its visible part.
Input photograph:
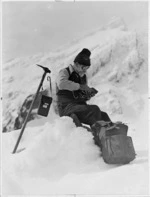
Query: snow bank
(52, 151)
(62, 159)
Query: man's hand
(85, 88)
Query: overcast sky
(32, 27)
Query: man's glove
(93, 92)
(89, 90)
(85, 93)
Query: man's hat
(83, 57)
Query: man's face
(82, 69)
(85, 68)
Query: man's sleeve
(64, 84)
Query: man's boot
(98, 130)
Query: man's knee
(95, 109)
(105, 116)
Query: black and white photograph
(74, 98)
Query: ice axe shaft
(46, 70)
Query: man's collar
(71, 68)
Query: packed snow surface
(58, 157)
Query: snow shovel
(46, 70)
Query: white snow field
(60, 158)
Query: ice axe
(46, 70)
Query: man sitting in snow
(72, 91)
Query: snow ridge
(115, 57)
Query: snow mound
(53, 151)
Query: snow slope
(60, 158)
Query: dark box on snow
(44, 105)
